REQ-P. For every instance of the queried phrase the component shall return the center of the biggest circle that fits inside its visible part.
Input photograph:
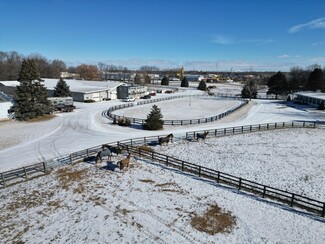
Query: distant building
(129, 90)
(67, 75)
(311, 98)
(82, 90)
(194, 77)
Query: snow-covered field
(148, 203)
(290, 159)
(192, 108)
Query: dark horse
(107, 151)
(202, 135)
(166, 139)
(117, 150)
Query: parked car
(145, 97)
(129, 99)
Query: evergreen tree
(277, 84)
(202, 86)
(315, 80)
(184, 82)
(165, 81)
(154, 119)
(137, 79)
(31, 96)
(249, 90)
(62, 89)
(147, 79)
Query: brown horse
(124, 162)
(202, 135)
(166, 139)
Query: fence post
(45, 167)
(182, 165)
(167, 160)
(3, 180)
(314, 124)
(239, 184)
(131, 143)
(199, 171)
(218, 178)
(275, 125)
(26, 176)
(323, 212)
(87, 153)
(145, 141)
(242, 129)
(264, 191)
(250, 128)
(292, 199)
(303, 125)
(267, 126)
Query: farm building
(128, 90)
(5, 105)
(312, 98)
(81, 90)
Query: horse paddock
(187, 108)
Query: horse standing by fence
(166, 139)
(124, 162)
(117, 150)
(202, 135)
(105, 152)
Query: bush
(122, 121)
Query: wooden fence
(109, 113)
(132, 145)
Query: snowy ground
(147, 203)
(191, 108)
(273, 158)
(143, 204)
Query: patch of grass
(41, 118)
(214, 220)
(68, 176)
(147, 181)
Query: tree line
(298, 79)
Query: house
(130, 90)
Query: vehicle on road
(129, 99)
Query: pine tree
(277, 84)
(31, 96)
(184, 82)
(249, 90)
(62, 89)
(165, 81)
(154, 119)
(315, 80)
(202, 86)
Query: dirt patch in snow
(214, 220)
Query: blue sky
(197, 34)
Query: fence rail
(109, 113)
(132, 145)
